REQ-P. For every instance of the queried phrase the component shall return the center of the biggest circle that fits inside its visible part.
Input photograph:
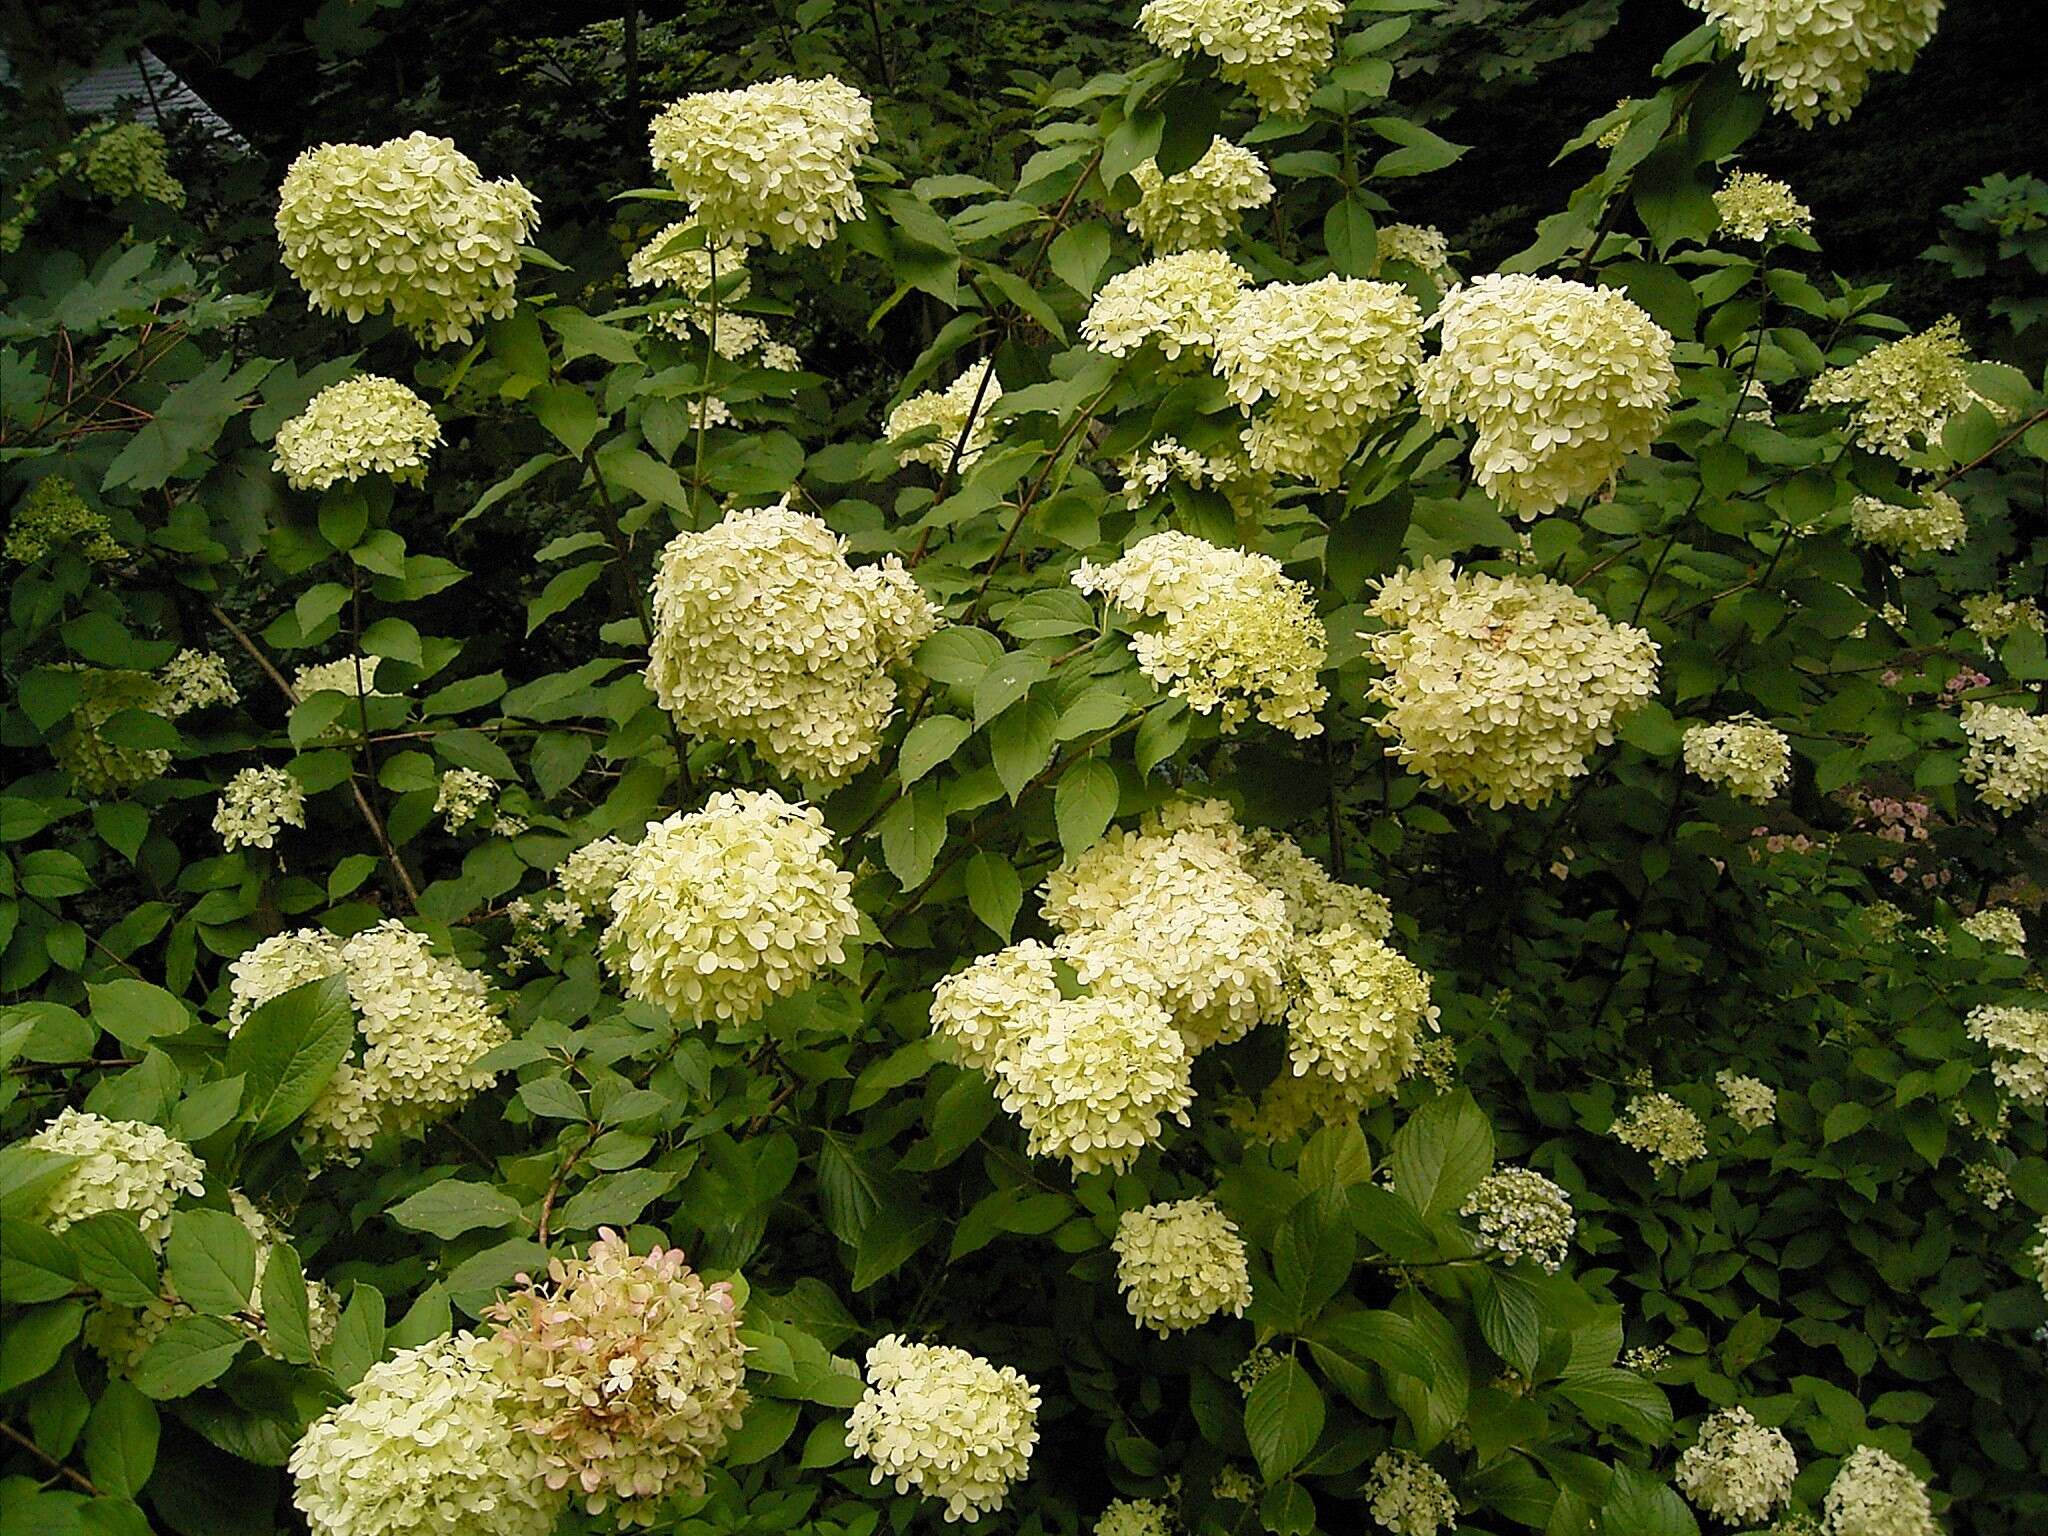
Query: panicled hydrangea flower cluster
(1754, 207)
(1817, 56)
(277, 965)
(1738, 1470)
(196, 680)
(2008, 755)
(367, 425)
(773, 160)
(1180, 1263)
(626, 1370)
(1902, 393)
(1234, 631)
(132, 160)
(409, 225)
(1935, 526)
(1744, 756)
(1329, 357)
(764, 634)
(1134, 1517)
(1177, 302)
(54, 516)
(2000, 927)
(1276, 49)
(980, 1008)
(1498, 687)
(720, 912)
(1663, 1129)
(95, 761)
(1751, 1102)
(1408, 1496)
(1356, 1016)
(462, 795)
(946, 409)
(348, 675)
(1422, 246)
(2018, 1040)
(666, 261)
(588, 876)
(424, 1447)
(255, 805)
(127, 1166)
(1875, 1495)
(1201, 207)
(1522, 1214)
(1559, 381)
(945, 1423)
(1993, 619)
(1987, 1183)
(1093, 1077)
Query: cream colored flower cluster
(1935, 526)
(96, 763)
(423, 1447)
(947, 410)
(1817, 56)
(1356, 1015)
(1180, 1263)
(1276, 49)
(2017, 1037)
(361, 426)
(345, 675)
(1754, 207)
(722, 911)
(2037, 1255)
(773, 160)
(665, 262)
(1165, 460)
(1202, 206)
(764, 634)
(588, 876)
(1986, 1183)
(131, 160)
(1422, 246)
(1559, 381)
(54, 516)
(1330, 358)
(2008, 755)
(1178, 302)
(255, 805)
(196, 680)
(1522, 1214)
(462, 795)
(1751, 1102)
(1314, 902)
(1874, 1494)
(1091, 1081)
(1742, 755)
(275, 966)
(127, 1166)
(1993, 619)
(1663, 1129)
(1901, 394)
(1134, 1517)
(409, 225)
(1409, 1497)
(626, 1370)
(945, 1424)
(1738, 1470)
(2000, 927)
(1234, 631)
(1499, 687)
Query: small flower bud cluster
(97, 763)
(1201, 207)
(132, 160)
(1744, 756)
(1754, 207)
(1936, 526)
(1987, 1183)
(2008, 755)
(1134, 1517)
(1180, 1263)
(947, 409)
(1178, 302)
(1522, 1214)
(588, 876)
(1817, 56)
(1902, 393)
(1663, 1129)
(367, 425)
(124, 1166)
(1276, 49)
(1875, 1495)
(1252, 1369)
(1738, 1470)
(54, 516)
(1751, 1102)
(2017, 1037)
(1993, 619)
(946, 1424)
(255, 805)
(1409, 1497)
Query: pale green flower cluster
(2017, 1037)
(1902, 393)
(1422, 246)
(1179, 303)
(462, 795)
(1935, 526)
(2008, 755)
(127, 1166)
(2001, 927)
(1751, 1102)
(95, 761)
(1093, 1077)
(1560, 382)
(277, 965)
(773, 160)
(1180, 1263)
(1993, 619)
(1276, 49)
(366, 425)
(196, 680)
(54, 516)
(945, 1424)
(342, 676)
(1134, 1517)
(409, 226)
(947, 409)
(1817, 56)
(723, 911)
(1202, 206)
(2037, 1255)
(1499, 687)
(1738, 1470)
(1663, 1129)
(666, 261)
(1314, 902)
(1249, 1371)
(1409, 1497)
(1236, 1485)
(1873, 1494)
(1754, 207)
(1749, 759)
(1234, 631)
(764, 634)
(588, 876)
(131, 160)
(978, 1008)
(1522, 1214)
(1987, 1183)
(255, 805)
(1356, 1014)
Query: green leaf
(1021, 743)
(564, 590)
(1078, 255)
(764, 1431)
(569, 413)
(1441, 1153)
(135, 1012)
(213, 1261)
(287, 1049)
(958, 656)
(930, 742)
(994, 892)
(115, 1258)
(1130, 144)
(358, 1341)
(36, 1339)
(1003, 684)
(189, 1353)
(34, 1265)
(1510, 1319)
(1083, 804)
(1283, 1419)
(1385, 1339)
(120, 1440)
(912, 833)
(287, 1312)
(904, 1065)
(1312, 1256)
(614, 1200)
(1612, 1398)
(455, 1206)
(1350, 237)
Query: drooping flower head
(1737, 1470)
(1901, 394)
(132, 160)
(1202, 206)
(1177, 302)
(1749, 759)
(946, 1424)
(1276, 49)
(127, 1166)
(1817, 56)
(1180, 1263)
(367, 425)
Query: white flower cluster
(1091, 1081)
(1177, 302)
(1498, 687)
(1752, 1103)
(2000, 927)
(1935, 526)
(764, 634)
(1754, 207)
(1818, 55)
(1744, 756)
(2008, 755)
(2037, 1255)
(1987, 1183)
(255, 805)
(340, 676)
(1738, 1470)
(275, 966)
(668, 261)
(1234, 631)
(1422, 246)
(1134, 1517)
(722, 911)
(1902, 392)
(1356, 1015)
(1165, 460)
(2018, 1040)
(773, 160)
(1275, 49)
(366, 425)
(1559, 381)
(1408, 1496)
(1663, 1129)
(1202, 206)
(1522, 1214)
(1993, 619)
(462, 795)
(1180, 1263)
(588, 876)
(1873, 1494)
(944, 1423)
(409, 225)
(947, 410)
(127, 1166)
(195, 680)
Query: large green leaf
(287, 1049)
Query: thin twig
(47, 1459)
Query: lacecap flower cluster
(1817, 56)
(1276, 49)
(1749, 759)
(361, 426)
(946, 1424)
(1180, 1263)
(1202, 206)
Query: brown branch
(1994, 450)
(46, 1458)
(547, 1201)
